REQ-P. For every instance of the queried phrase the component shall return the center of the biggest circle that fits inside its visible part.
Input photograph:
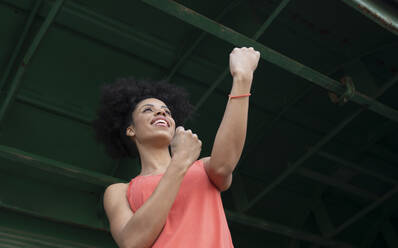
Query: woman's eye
(168, 112)
(146, 110)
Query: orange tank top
(196, 218)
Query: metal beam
(189, 16)
(380, 13)
(356, 167)
(26, 59)
(257, 35)
(292, 168)
(317, 146)
(25, 239)
(337, 184)
(268, 126)
(60, 168)
(72, 11)
(82, 118)
(364, 212)
(283, 230)
(21, 40)
(195, 44)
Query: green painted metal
(276, 228)
(46, 164)
(45, 233)
(364, 212)
(82, 118)
(256, 36)
(71, 11)
(357, 167)
(195, 44)
(21, 40)
(23, 239)
(336, 183)
(318, 146)
(380, 13)
(270, 55)
(268, 126)
(292, 168)
(25, 61)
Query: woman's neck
(154, 160)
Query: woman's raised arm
(231, 134)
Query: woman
(175, 200)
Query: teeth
(160, 122)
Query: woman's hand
(243, 62)
(185, 146)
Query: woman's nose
(160, 112)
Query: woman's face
(152, 123)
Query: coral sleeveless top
(196, 219)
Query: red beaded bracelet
(230, 97)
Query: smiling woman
(175, 201)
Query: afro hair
(117, 103)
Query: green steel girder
(337, 184)
(377, 11)
(268, 126)
(40, 231)
(56, 167)
(232, 5)
(19, 44)
(256, 36)
(28, 55)
(363, 212)
(313, 150)
(357, 167)
(189, 16)
(30, 197)
(283, 230)
(84, 118)
(23, 239)
(292, 168)
(72, 11)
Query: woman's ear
(130, 131)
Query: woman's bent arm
(140, 229)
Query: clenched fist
(185, 146)
(243, 62)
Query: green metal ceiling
(313, 173)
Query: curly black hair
(117, 103)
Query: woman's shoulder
(116, 189)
